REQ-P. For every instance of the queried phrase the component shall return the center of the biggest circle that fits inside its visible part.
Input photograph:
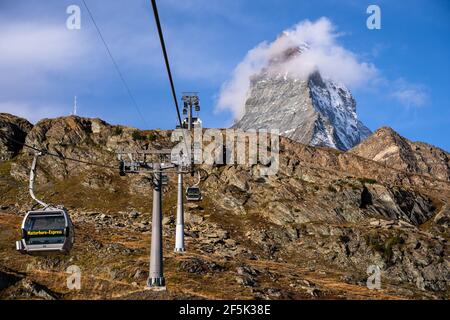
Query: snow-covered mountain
(315, 111)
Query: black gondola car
(165, 180)
(48, 230)
(193, 194)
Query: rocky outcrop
(87, 139)
(403, 253)
(15, 285)
(388, 147)
(13, 131)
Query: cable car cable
(169, 73)
(166, 59)
(46, 152)
(116, 66)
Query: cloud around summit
(324, 54)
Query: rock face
(316, 111)
(310, 231)
(388, 147)
(12, 129)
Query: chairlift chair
(45, 230)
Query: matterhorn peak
(287, 54)
(312, 110)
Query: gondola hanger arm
(37, 154)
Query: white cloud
(43, 46)
(35, 60)
(32, 113)
(233, 93)
(31, 53)
(324, 54)
(410, 95)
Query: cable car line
(116, 66)
(166, 59)
(50, 228)
(169, 73)
(59, 156)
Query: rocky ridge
(311, 231)
(388, 147)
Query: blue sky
(43, 64)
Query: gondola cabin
(49, 230)
(193, 194)
(164, 180)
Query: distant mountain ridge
(385, 145)
(390, 148)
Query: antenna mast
(75, 106)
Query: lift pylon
(154, 162)
(179, 231)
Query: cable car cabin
(46, 231)
(193, 194)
